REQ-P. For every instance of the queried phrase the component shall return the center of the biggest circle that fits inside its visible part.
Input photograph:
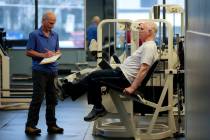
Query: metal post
(36, 15)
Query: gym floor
(69, 116)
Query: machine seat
(138, 95)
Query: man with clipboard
(43, 43)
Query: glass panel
(140, 9)
(17, 18)
(70, 20)
(148, 3)
(0, 75)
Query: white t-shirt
(146, 53)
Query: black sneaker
(32, 130)
(95, 113)
(55, 129)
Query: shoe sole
(33, 133)
(97, 116)
(57, 132)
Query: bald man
(92, 29)
(43, 43)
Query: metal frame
(6, 102)
(99, 34)
(129, 126)
(172, 8)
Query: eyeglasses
(141, 28)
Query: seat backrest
(149, 74)
(116, 59)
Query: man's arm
(32, 53)
(144, 68)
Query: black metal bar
(164, 26)
(36, 14)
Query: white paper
(50, 59)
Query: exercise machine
(121, 122)
(6, 101)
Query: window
(140, 9)
(148, 3)
(17, 17)
(70, 21)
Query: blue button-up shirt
(39, 42)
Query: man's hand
(144, 68)
(49, 53)
(129, 90)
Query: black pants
(92, 83)
(43, 84)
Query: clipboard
(50, 59)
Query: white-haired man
(128, 75)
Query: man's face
(49, 23)
(144, 31)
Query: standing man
(91, 33)
(43, 43)
(92, 29)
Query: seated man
(128, 76)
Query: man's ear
(150, 31)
